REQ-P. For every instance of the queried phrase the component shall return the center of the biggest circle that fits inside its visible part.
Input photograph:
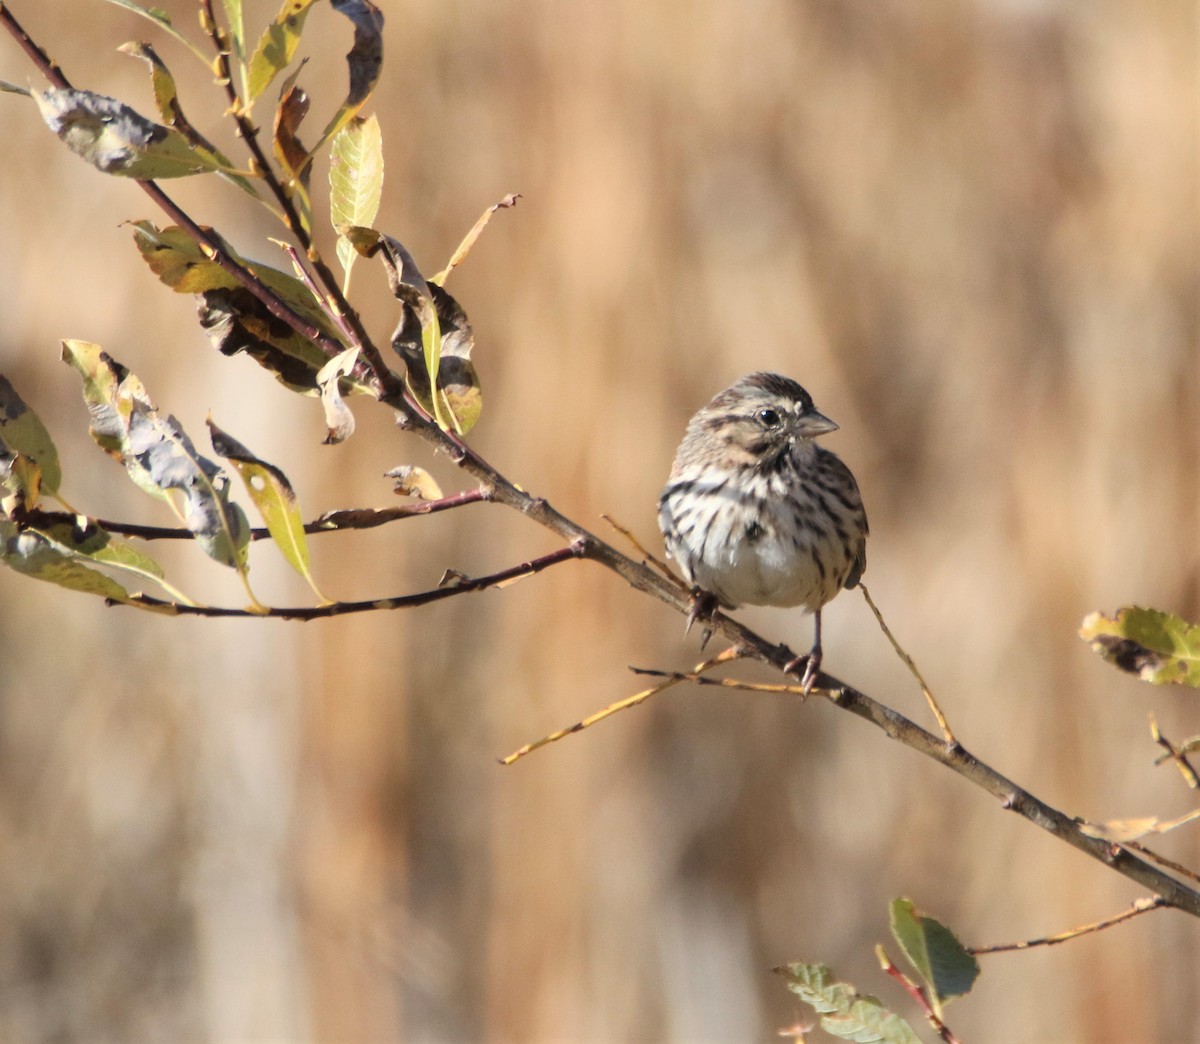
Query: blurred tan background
(970, 229)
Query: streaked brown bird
(756, 513)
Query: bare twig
(943, 724)
(637, 698)
(658, 564)
(1175, 754)
(460, 585)
(1140, 906)
(331, 522)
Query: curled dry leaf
(412, 481)
(115, 139)
(338, 419)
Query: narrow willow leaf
(277, 46)
(166, 97)
(355, 182)
(940, 959)
(274, 497)
(115, 139)
(1158, 647)
(292, 156)
(338, 419)
(87, 539)
(293, 107)
(843, 1012)
(464, 248)
(433, 335)
(22, 431)
(34, 555)
(411, 481)
(159, 17)
(365, 60)
(237, 28)
(179, 262)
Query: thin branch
(49, 67)
(331, 522)
(248, 131)
(1175, 754)
(459, 585)
(727, 656)
(638, 575)
(943, 724)
(1140, 906)
(918, 995)
(1163, 861)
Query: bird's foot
(704, 606)
(811, 662)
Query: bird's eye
(768, 417)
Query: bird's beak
(811, 424)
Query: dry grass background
(969, 228)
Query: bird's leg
(704, 604)
(812, 662)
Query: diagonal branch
(583, 544)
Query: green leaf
(277, 46)
(940, 959)
(237, 27)
(87, 539)
(433, 336)
(365, 60)
(355, 182)
(274, 497)
(338, 419)
(166, 97)
(115, 139)
(1158, 647)
(23, 432)
(159, 17)
(33, 554)
(844, 1013)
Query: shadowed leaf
(1158, 647)
(236, 320)
(277, 46)
(355, 182)
(939, 958)
(35, 555)
(111, 394)
(433, 335)
(843, 1012)
(115, 139)
(289, 114)
(157, 453)
(22, 431)
(365, 59)
(274, 497)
